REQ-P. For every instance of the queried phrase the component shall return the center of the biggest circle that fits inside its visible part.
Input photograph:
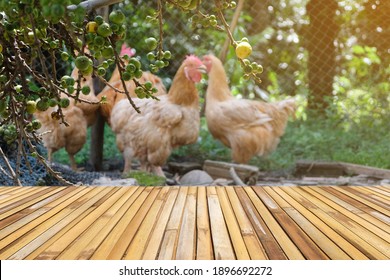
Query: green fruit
(135, 62)
(53, 102)
(36, 124)
(150, 56)
(99, 41)
(88, 71)
(57, 11)
(151, 43)
(104, 30)
(131, 68)
(31, 107)
(42, 105)
(101, 71)
(138, 74)
(85, 90)
(167, 55)
(126, 76)
(99, 20)
(82, 62)
(148, 85)
(64, 102)
(65, 56)
(117, 17)
(108, 52)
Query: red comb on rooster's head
(127, 50)
(193, 68)
(193, 59)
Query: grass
(303, 140)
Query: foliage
(145, 178)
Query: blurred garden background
(332, 56)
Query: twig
(233, 25)
(237, 180)
(94, 4)
(14, 176)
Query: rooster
(163, 124)
(247, 127)
(113, 93)
(78, 115)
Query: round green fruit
(64, 102)
(104, 30)
(151, 43)
(86, 90)
(31, 107)
(82, 62)
(117, 17)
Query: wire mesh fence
(329, 53)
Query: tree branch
(94, 4)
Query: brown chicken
(247, 127)
(162, 125)
(79, 115)
(113, 96)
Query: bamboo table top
(200, 223)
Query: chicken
(163, 124)
(247, 127)
(78, 115)
(113, 96)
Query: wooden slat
(253, 244)
(339, 225)
(187, 240)
(323, 241)
(121, 245)
(153, 247)
(169, 242)
(306, 245)
(171, 222)
(223, 249)
(232, 225)
(284, 241)
(204, 252)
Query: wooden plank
(377, 198)
(26, 201)
(18, 196)
(352, 212)
(337, 224)
(364, 210)
(381, 248)
(84, 246)
(169, 242)
(11, 235)
(218, 169)
(141, 238)
(362, 199)
(205, 246)
(39, 235)
(119, 249)
(289, 248)
(305, 244)
(236, 238)
(301, 206)
(186, 246)
(253, 245)
(268, 241)
(223, 249)
(73, 241)
(61, 234)
(28, 215)
(153, 247)
(324, 242)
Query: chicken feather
(247, 127)
(163, 124)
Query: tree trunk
(322, 32)
(97, 130)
